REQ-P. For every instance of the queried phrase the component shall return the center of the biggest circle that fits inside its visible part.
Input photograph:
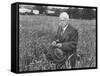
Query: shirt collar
(65, 27)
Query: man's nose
(61, 22)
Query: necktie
(62, 31)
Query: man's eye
(62, 20)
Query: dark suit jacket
(69, 39)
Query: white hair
(64, 15)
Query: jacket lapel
(65, 35)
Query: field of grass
(37, 32)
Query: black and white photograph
(56, 37)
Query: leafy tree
(42, 9)
(88, 13)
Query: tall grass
(36, 34)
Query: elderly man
(65, 41)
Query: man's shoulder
(72, 28)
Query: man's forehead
(62, 18)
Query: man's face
(63, 21)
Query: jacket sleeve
(72, 44)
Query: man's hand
(56, 44)
(53, 43)
(59, 45)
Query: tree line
(76, 13)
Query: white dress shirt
(64, 28)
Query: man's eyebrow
(62, 20)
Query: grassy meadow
(36, 34)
